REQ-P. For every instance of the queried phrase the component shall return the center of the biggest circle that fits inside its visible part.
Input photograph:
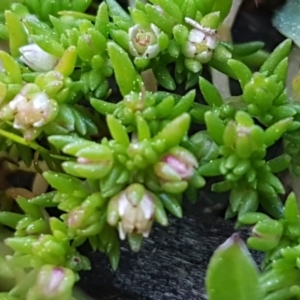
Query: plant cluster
(279, 275)
(117, 161)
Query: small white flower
(37, 59)
(34, 112)
(201, 43)
(143, 42)
(132, 213)
(30, 109)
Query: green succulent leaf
(126, 76)
(232, 273)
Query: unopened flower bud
(178, 164)
(132, 210)
(52, 283)
(175, 170)
(37, 59)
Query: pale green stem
(22, 141)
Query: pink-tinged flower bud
(143, 42)
(53, 283)
(37, 59)
(179, 164)
(200, 43)
(132, 210)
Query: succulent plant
(119, 158)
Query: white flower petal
(17, 101)
(132, 50)
(40, 101)
(155, 29)
(204, 56)
(122, 233)
(39, 123)
(146, 233)
(199, 26)
(211, 41)
(133, 30)
(152, 51)
(147, 207)
(123, 204)
(196, 36)
(189, 50)
(18, 125)
(37, 59)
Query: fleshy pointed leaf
(232, 273)
(126, 76)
